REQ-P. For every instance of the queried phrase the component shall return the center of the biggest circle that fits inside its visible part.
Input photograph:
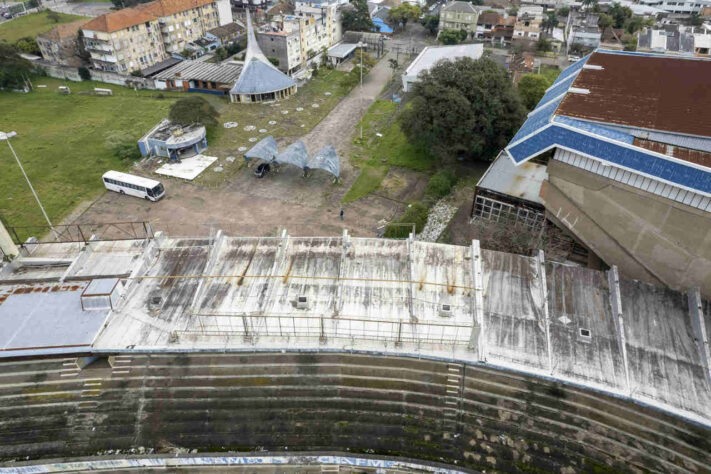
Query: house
(198, 76)
(486, 23)
(136, 38)
(458, 15)
(432, 55)
(173, 141)
(227, 33)
(61, 44)
(582, 30)
(670, 39)
(528, 24)
(626, 139)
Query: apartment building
(528, 23)
(135, 38)
(296, 39)
(458, 16)
(676, 6)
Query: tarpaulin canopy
(326, 159)
(295, 154)
(265, 149)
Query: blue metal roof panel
(572, 69)
(607, 132)
(537, 119)
(260, 78)
(631, 158)
(556, 90)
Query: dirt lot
(250, 206)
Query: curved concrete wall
(480, 418)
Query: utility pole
(6, 137)
(361, 87)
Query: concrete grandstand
(458, 355)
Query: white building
(432, 55)
(678, 6)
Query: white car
(573, 58)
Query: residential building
(432, 55)
(669, 39)
(582, 30)
(227, 33)
(458, 15)
(528, 24)
(678, 6)
(296, 39)
(627, 141)
(136, 38)
(61, 44)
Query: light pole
(6, 137)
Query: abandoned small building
(260, 80)
(173, 141)
(198, 76)
(61, 44)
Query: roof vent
(155, 302)
(445, 310)
(302, 302)
(578, 90)
(593, 66)
(585, 335)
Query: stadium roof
(345, 293)
(603, 105)
(259, 75)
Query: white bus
(133, 185)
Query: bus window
(158, 190)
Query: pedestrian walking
(341, 214)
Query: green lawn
(31, 25)
(374, 154)
(61, 139)
(61, 144)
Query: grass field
(31, 25)
(375, 154)
(60, 140)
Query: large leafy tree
(403, 13)
(13, 69)
(431, 23)
(193, 109)
(463, 108)
(358, 18)
(531, 88)
(450, 36)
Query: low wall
(72, 74)
(477, 417)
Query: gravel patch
(438, 218)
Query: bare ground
(250, 206)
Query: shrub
(440, 184)
(122, 145)
(84, 73)
(415, 214)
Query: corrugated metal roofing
(646, 91)
(524, 181)
(201, 71)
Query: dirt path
(250, 206)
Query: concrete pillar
(7, 246)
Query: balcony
(103, 47)
(105, 58)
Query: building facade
(61, 44)
(678, 6)
(583, 30)
(135, 38)
(458, 15)
(528, 24)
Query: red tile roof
(669, 94)
(119, 20)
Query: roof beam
(345, 245)
(613, 279)
(211, 262)
(543, 282)
(477, 340)
(696, 311)
(411, 277)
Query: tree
(619, 14)
(28, 45)
(695, 20)
(53, 16)
(463, 108)
(357, 19)
(589, 3)
(84, 73)
(193, 109)
(449, 36)
(543, 45)
(550, 21)
(531, 88)
(513, 10)
(629, 41)
(13, 68)
(431, 23)
(403, 13)
(273, 60)
(604, 21)
(393, 63)
(563, 12)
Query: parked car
(573, 58)
(262, 170)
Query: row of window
(125, 185)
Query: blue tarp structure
(295, 154)
(266, 149)
(326, 159)
(382, 27)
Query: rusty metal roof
(644, 91)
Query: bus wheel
(121, 191)
(146, 198)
